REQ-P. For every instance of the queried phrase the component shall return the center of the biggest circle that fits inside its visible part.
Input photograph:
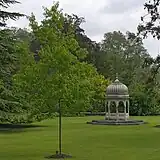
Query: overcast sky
(101, 16)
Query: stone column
(105, 109)
(125, 104)
(128, 108)
(109, 103)
(117, 116)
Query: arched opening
(106, 107)
(121, 107)
(112, 107)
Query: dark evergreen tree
(9, 49)
(5, 15)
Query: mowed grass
(84, 141)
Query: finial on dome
(116, 75)
(117, 80)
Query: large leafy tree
(60, 74)
(118, 55)
(84, 41)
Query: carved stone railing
(119, 115)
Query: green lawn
(84, 141)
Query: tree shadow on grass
(17, 128)
(157, 126)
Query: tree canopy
(59, 74)
(57, 62)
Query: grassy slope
(84, 142)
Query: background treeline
(56, 62)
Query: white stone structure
(117, 101)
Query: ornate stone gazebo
(117, 106)
(117, 101)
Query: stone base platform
(115, 122)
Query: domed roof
(117, 90)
